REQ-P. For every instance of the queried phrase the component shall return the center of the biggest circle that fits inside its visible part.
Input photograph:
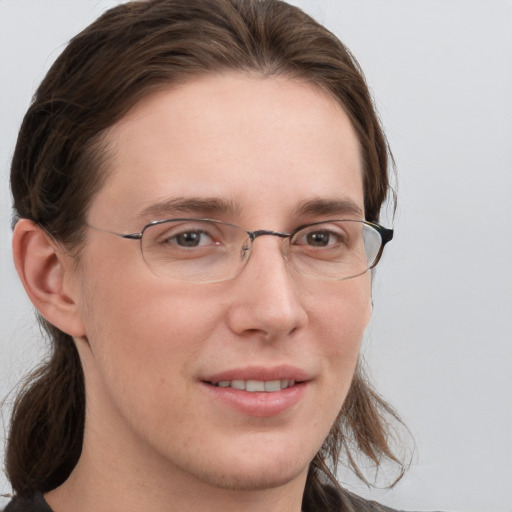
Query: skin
(155, 437)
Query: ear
(47, 273)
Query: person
(197, 187)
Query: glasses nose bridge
(261, 232)
(267, 232)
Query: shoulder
(353, 503)
(34, 503)
(349, 502)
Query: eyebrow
(203, 205)
(341, 207)
(214, 206)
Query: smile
(256, 386)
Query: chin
(249, 478)
(262, 465)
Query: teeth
(273, 385)
(254, 386)
(238, 384)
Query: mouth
(256, 386)
(259, 391)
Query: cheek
(142, 316)
(144, 338)
(343, 309)
(339, 320)
(139, 325)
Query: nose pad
(246, 250)
(248, 245)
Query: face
(262, 153)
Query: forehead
(250, 141)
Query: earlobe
(45, 271)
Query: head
(144, 81)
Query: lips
(258, 391)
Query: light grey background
(440, 343)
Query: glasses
(209, 251)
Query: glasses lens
(194, 250)
(336, 249)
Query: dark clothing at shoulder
(353, 503)
(35, 503)
(348, 502)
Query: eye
(189, 239)
(184, 236)
(322, 236)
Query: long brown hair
(59, 164)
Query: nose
(265, 298)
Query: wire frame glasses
(206, 250)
